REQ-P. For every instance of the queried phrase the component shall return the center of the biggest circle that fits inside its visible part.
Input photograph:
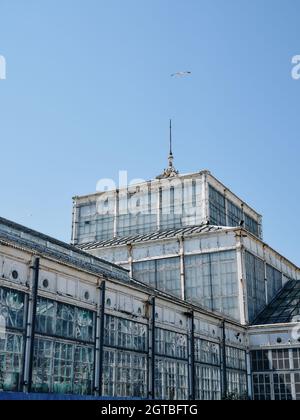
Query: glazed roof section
(284, 308)
(158, 235)
(45, 245)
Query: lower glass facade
(65, 355)
(276, 374)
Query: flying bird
(181, 74)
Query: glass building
(167, 292)
(204, 245)
(73, 324)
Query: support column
(191, 355)
(249, 375)
(242, 284)
(30, 327)
(159, 207)
(151, 375)
(182, 269)
(99, 341)
(224, 363)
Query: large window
(145, 272)
(281, 360)
(262, 387)
(235, 358)
(169, 343)
(55, 318)
(11, 352)
(281, 379)
(168, 275)
(62, 367)
(208, 382)
(12, 308)
(224, 213)
(251, 225)
(234, 214)
(255, 278)
(211, 280)
(274, 278)
(171, 379)
(207, 378)
(207, 352)
(237, 383)
(217, 208)
(104, 227)
(126, 334)
(171, 373)
(283, 386)
(163, 274)
(12, 325)
(198, 282)
(236, 372)
(124, 374)
(260, 361)
(169, 219)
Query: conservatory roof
(153, 236)
(15, 234)
(284, 308)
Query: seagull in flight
(181, 74)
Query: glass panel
(217, 208)
(207, 352)
(260, 360)
(211, 280)
(169, 343)
(11, 352)
(255, 277)
(145, 272)
(12, 308)
(235, 358)
(207, 383)
(61, 367)
(285, 307)
(168, 275)
(163, 274)
(124, 374)
(55, 318)
(171, 379)
(234, 214)
(237, 384)
(123, 333)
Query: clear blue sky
(88, 93)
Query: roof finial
(171, 171)
(171, 157)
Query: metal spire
(171, 157)
(171, 171)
